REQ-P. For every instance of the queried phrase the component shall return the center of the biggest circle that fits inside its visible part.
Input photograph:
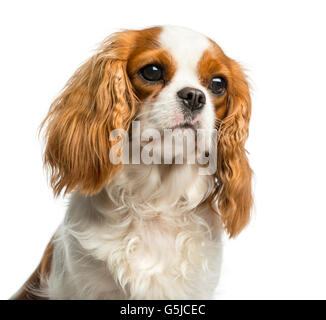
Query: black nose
(192, 98)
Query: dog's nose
(192, 98)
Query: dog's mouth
(186, 125)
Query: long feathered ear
(96, 100)
(233, 170)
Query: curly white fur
(145, 236)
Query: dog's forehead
(185, 45)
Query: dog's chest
(158, 257)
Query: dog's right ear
(96, 100)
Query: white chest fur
(156, 243)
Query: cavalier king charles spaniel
(138, 228)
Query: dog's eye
(218, 85)
(152, 72)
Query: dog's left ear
(96, 100)
(233, 171)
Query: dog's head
(168, 78)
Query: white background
(281, 254)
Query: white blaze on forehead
(186, 46)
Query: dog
(144, 229)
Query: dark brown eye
(218, 85)
(152, 72)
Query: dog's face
(168, 78)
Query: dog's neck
(155, 189)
